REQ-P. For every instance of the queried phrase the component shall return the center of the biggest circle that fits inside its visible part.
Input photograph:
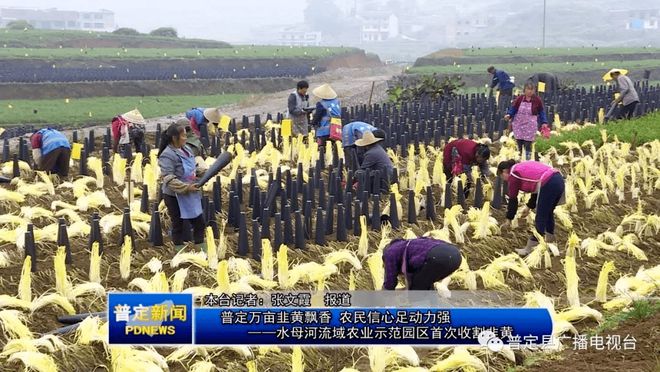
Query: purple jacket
(416, 256)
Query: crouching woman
(422, 261)
(547, 187)
(180, 192)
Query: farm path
(353, 85)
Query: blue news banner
(171, 319)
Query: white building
(54, 19)
(300, 36)
(378, 26)
(641, 19)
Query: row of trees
(161, 31)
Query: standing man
(501, 80)
(627, 94)
(51, 151)
(298, 104)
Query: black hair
(379, 133)
(302, 84)
(507, 164)
(174, 130)
(491, 69)
(483, 151)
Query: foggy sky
(233, 20)
(227, 20)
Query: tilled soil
(587, 223)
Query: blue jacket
(326, 109)
(52, 140)
(197, 114)
(350, 131)
(501, 78)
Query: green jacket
(196, 145)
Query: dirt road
(352, 85)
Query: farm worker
(460, 155)
(527, 112)
(501, 80)
(193, 141)
(51, 151)
(180, 193)
(550, 80)
(298, 108)
(376, 159)
(127, 129)
(547, 187)
(627, 94)
(349, 134)
(327, 108)
(199, 120)
(422, 261)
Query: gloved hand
(545, 131)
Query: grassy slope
(637, 132)
(54, 38)
(517, 68)
(234, 52)
(102, 109)
(546, 52)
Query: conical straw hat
(367, 139)
(212, 115)
(325, 91)
(134, 116)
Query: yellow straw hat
(212, 115)
(134, 116)
(608, 75)
(367, 139)
(325, 91)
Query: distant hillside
(84, 39)
(576, 64)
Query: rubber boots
(550, 238)
(531, 244)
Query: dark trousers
(178, 233)
(56, 161)
(628, 111)
(528, 148)
(441, 261)
(351, 158)
(547, 201)
(322, 140)
(504, 100)
(450, 177)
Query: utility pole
(543, 42)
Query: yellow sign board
(286, 127)
(224, 123)
(76, 150)
(541, 87)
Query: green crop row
(540, 52)
(530, 68)
(97, 110)
(636, 131)
(245, 51)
